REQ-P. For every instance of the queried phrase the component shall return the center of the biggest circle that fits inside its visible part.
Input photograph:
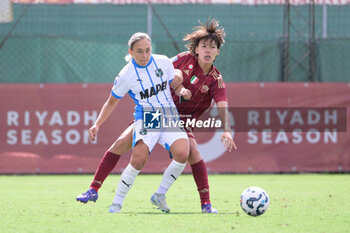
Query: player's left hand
(227, 140)
(186, 93)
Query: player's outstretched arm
(226, 137)
(105, 112)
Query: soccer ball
(254, 201)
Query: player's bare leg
(107, 164)
(123, 143)
(179, 149)
(200, 175)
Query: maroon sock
(106, 166)
(200, 175)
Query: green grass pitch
(299, 203)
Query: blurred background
(271, 47)
(66, 41)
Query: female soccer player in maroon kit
(195, 67)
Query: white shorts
(152, 137)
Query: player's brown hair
(133, 39)
(136, 37)
(210, 30)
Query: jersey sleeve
(121, 84)
(179, 59)
(218, 93)
(171, 71)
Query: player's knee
(139, 155)
(138, 161)
(181, 156)
(121, 146)
(180, 150)
(194, 156)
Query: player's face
(207, 51)
(141, 52)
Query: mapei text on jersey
(153, 90)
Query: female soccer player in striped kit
(146, 78)
(195, 67)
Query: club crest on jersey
(204, 89)
(194, 79)
(159, 72)
(143, 132)
(190, 66)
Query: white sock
(173, 171)
(127, 178)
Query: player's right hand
(227, 140)
(93, 132)
(178, 79)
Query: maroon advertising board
(43, 129)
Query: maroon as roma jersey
(204, 87)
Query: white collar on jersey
(138, 66)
